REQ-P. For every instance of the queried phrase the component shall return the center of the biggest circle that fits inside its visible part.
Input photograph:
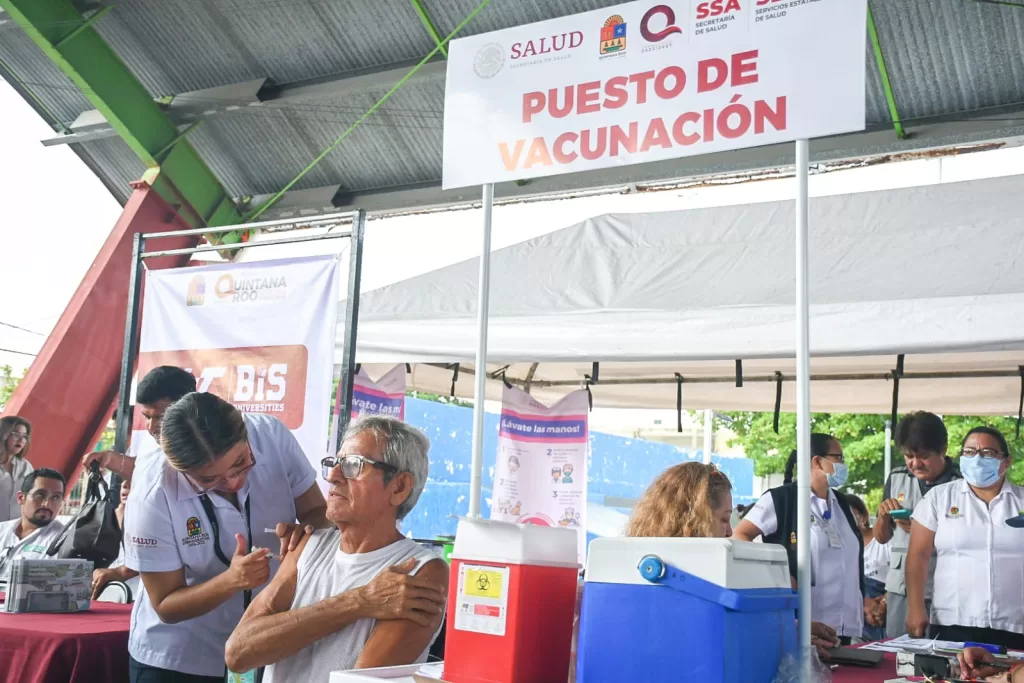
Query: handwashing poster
(541, 472)
(386, 396)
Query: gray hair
(405, 448)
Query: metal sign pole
(480, 375)
(129, 351)
(348, 363)
(803, 415)
(888, 450)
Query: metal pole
(803, 414)
(348, 356)
(888, 450)
(129, 351)
(479, 393)
(709, 435)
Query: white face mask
(838, 475)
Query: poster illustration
(541, 472)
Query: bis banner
(260, 335)
(650, 81)
(541, 473)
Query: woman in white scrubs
(979, 569)
(197, 529)
(837, 548)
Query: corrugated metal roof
(945, 57)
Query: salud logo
(193, 527)
(662, 12)
(613, 35)
(489, 60)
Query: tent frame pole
(803, 413)
(480, 388)
(888, 450)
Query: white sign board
(644, 81)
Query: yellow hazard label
(483, 583)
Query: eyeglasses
(17, 436)
(982, 452)
(42, 496)
(232, 474)
(837, 456)
(352, 465)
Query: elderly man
(360, 595)
(41, 497)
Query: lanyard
(212, 516)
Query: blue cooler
(696, 609)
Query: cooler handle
(654, 570)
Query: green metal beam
(429, 25)
(884, 73)
(176, 171)
(369, 112)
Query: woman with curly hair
(15, 439)
(689, 500)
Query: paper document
(907, 644)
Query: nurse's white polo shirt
(979, 568)
(167, 529)
(836, 597)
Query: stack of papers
(49, 586)
(907, 644)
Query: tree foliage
(863, 440)
(8, 383)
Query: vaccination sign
(648, 81)
(259, 335)
(541, 473)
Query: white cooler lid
(721, 561)
(493, 541)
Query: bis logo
(196, 291)
(255, 379)
(662, 12)
(613, 35)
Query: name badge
(833, 535)
(245, 677)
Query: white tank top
(325, 571)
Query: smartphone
(901, 514)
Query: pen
(270, 531)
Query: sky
(54, 216)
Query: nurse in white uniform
(196, 529)
(979, 568)
(837, 549)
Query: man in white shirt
(161, 387)
(360, 595)
(41, 497)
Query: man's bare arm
(270, 631)
(401, 641)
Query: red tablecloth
(66, 648)
(858, 674)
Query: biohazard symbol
(483, 583)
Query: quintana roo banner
(650, 81)
(260, 335)
(386, 396)
(541, 474)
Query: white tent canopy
(932, 272)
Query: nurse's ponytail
(198, 429)
(819, 447)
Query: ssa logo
(613, 35)
(255, 379)
(654, 17)
(196, 291)
(717, 8)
